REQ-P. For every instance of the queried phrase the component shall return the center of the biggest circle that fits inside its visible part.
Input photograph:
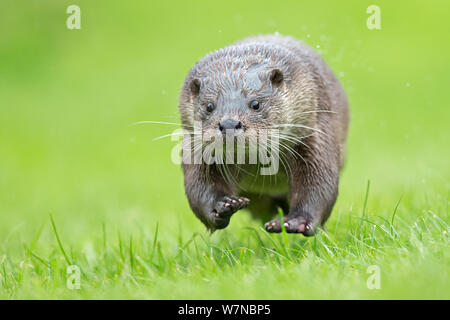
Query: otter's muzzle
(229, 125)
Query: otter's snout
(230, 124)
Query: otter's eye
(254, 105)
(210, 107)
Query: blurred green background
(69, 98)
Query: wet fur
(308, 94)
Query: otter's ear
(276, 77)
(195, 86)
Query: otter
(261, 83)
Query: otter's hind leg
(264, 207)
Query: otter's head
(227, 94)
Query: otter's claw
(224, 209)
(292, 224)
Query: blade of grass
(366, 197)
(59, 241)
(120, 246)
(131, 254)
(29, 250)
(284, 234)
(395, 210)
(155, 240)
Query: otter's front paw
(224, 209)
(292, 224)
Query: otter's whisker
(298, 126)
(292, 139)
(160, 122)
(175, 134)
(318, 111)
(285, 163)
(294, 152)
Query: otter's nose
(230, 124)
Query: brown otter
(267, 82)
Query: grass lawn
(81, 185)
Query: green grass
(79, 184)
